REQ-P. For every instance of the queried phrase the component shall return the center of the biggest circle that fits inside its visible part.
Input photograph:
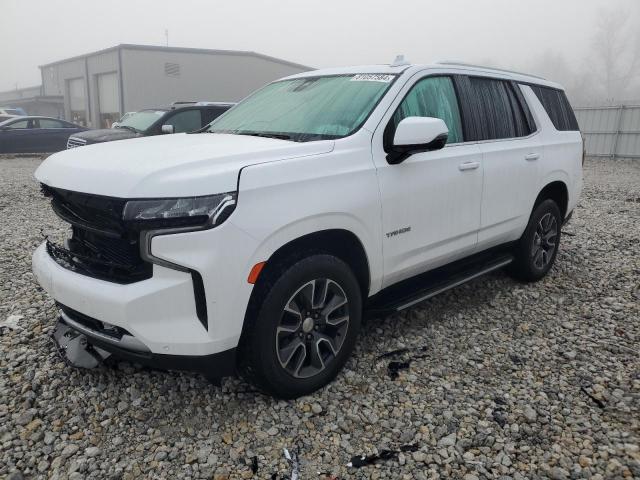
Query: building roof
(157, 48)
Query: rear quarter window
(557, 106)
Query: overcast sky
(319, 33)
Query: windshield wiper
(127, 127)
(279, 136)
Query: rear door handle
(532, 156)
(468, 166)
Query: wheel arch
(557, 191)
(339, 242)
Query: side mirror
(115, 125)
(167, 129)
(416, 135)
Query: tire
(536, 251)
(292, 345)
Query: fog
(591, 46)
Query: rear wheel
(304, 327)
(537, 249)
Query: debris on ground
(596, 400)
(394, 367)
(360, 461)
(10, 323)
(292, 458)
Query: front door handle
(532, 156)
(468, 166)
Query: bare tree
(616, 54)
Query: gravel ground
(500, 380)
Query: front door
(431, 201)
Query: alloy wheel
(544, 241)
(312, 328)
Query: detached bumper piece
(122, 344)
(74, 348)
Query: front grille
(74, 142)
(101, 246)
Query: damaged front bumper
(82, 343)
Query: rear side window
(558, 108)
(432, 97)
(210, 114)
(50, 123)
(500, 112)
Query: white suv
(256, 246)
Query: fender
(316, 223)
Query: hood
(167, 165)
(105, 135)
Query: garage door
(78, 101)
(108, 99)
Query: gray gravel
(504, 380)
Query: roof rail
(199, 103)
(484, 67)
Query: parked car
(12, 111)
(4, 118)
(257, 245)
(175, 119)
(35, 134)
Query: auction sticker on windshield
(372, 77)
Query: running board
(411, 292)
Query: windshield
(304, 109)
(140, 121)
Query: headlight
(203, 212)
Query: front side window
(185, 121)
(305, 109)
(433, 97)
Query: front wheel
(537, 249)
(304, 329)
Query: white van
(256, 245)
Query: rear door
(51, 135)
(511, 154)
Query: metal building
(101, 86)
(33, 101)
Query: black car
(179, 118)
(35, 134)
